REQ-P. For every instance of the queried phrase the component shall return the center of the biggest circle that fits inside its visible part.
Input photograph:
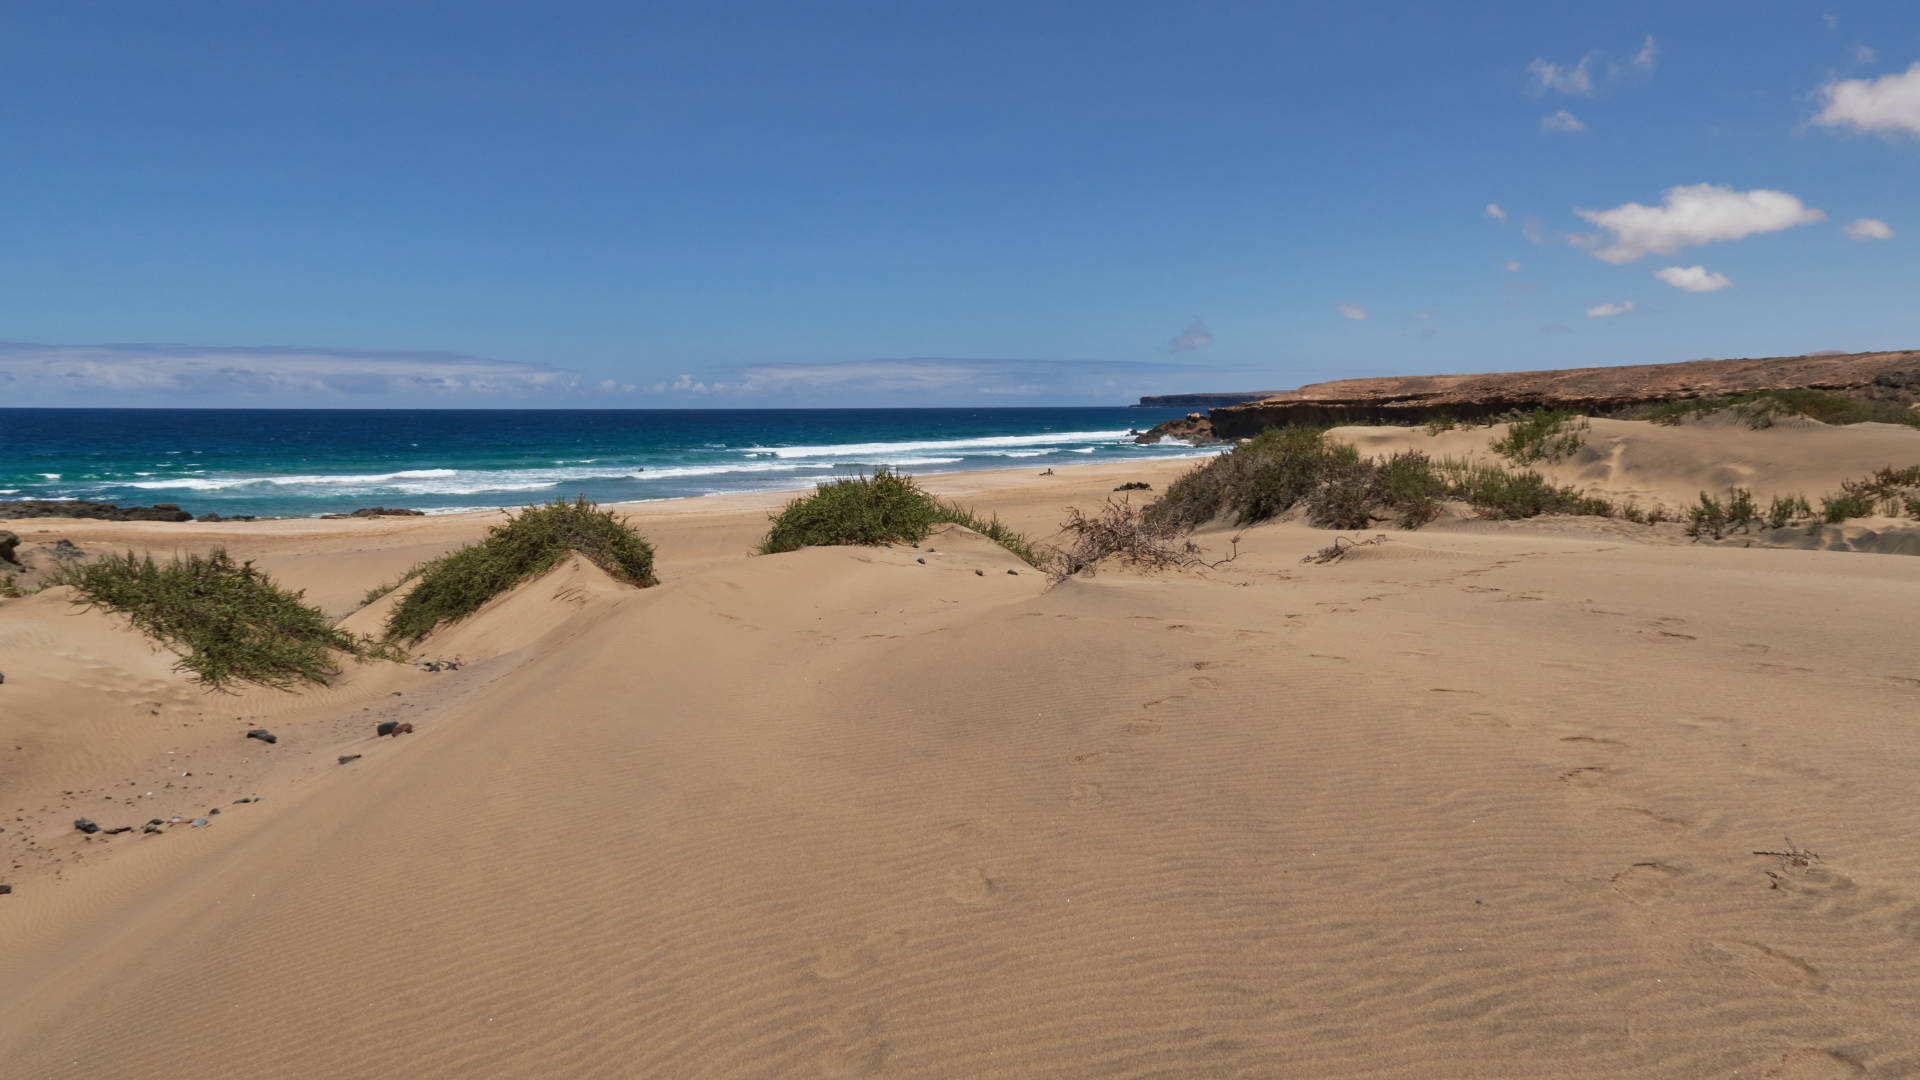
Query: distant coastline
(1201, 401)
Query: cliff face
(1415, 399)
(1200, 401)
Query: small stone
(263, 735)
(199, 823)
(385, 727)
(155, 823)
(237, 802)
(922, 562)
(151, 829)
(344, 758)
(979, 573)
(85, 826)
(1013, 573)
(5, 889)
(213, 811)
(116, 830)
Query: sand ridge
(1480, 800)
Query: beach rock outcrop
(80, 508)
(384, 511)
(1194, 428)
(8, 542)
(1418, 398)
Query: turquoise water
(303, 462)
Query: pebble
(5, 889)
(213, 811)
(344, 758)
(979, 573)
(1013, 573)
(922, 562)
(116, 830)
(263, 735)
(151, 829)
(199, 823)
(385, 727)
(237, 802)
(85, 826)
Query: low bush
(1707, 518)
(529, 544)
(1835, 509)
(1119, 529)
(231, 621)
(884, 508)
(1548, 435)
(1760, 410)
(1782, 511)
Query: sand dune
(1478, 801)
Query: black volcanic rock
(80, 508)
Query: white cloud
(1864, 55)
(1562, 122)
(1696, 214)
(1888, 103)
(1607, 311)
(1494, 212)
(161, 372)
(1693, 278)
(1869, 229)
(1643, 60)
(1512, 266)
(1195, 336)
(1576, 80)
(1352, 311)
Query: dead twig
(1336, 551)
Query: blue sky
(717, 205)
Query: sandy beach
(1487, 799)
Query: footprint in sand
(1646, 883)
(1642, 816)
(841, 960)
(1088, 758)
(1767, 964)
(1587, 777)
(970, 886)
(854, 1047)
(1085, 796)
(1203, 682)
(1808, 1063)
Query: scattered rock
(921, 561)
(85, 826)
(382, 511)
(9, 541)
(151, 829)
(979, 573)
(5, 889)
(67, 549)
(200, 823)
(213, 811)
(116, 830)
(392, 727)
(1013, 573)
(263, 735)
(80, 508)
(344, 758)
(3, 677)
(240, 802)
(217, 517)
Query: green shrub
(1783, 510)
(1740, 509)
(1707, 518)
(1540, 436)
(1501, 494)
(231, 621)
(1409, 484)
(1259, 479)
(1761, 409)
(1443, 422)
(529, 544)
(10, 588)
(1835, 509)
(885, 508)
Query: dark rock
(344, 758)
(5, 889)
(382, 511)
(116, 830)
(1195, 430)
(85, 826)
(81, 508)
(921, 561)
(236, 517)
(1013, 573)
(151, 828)
(1200, 401)
(67, 549)
(979, 573)
(263, 735)
(392, 727)
(1135, 485)
(238, 802)
(213, 811)
(8, 541)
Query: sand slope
(1475, 802)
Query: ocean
(301, 462)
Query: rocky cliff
(1417, 398)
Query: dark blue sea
(302, 462)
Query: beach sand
(1483, 800)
